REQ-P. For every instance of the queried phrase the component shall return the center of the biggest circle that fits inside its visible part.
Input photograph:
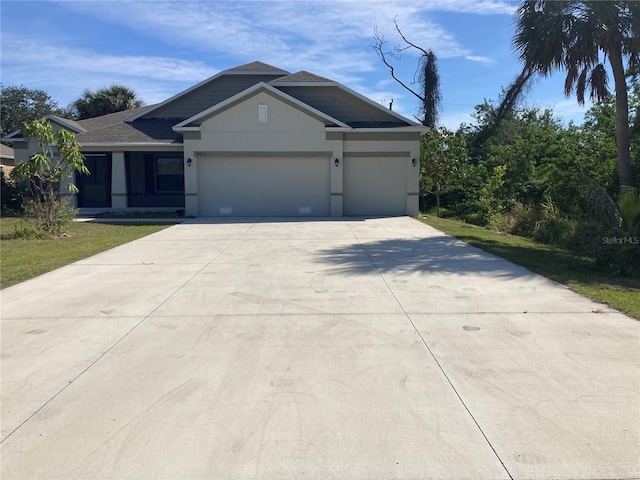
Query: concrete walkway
(318, 349)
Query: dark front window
(169, 175)
(155, 179)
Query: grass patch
(563, 266)
(23, 259)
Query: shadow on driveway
(440, 254)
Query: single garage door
(375, 186)
(264, 186)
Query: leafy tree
(115, 98)
(47, 171)
(442, 157)
(427, 75)
(574, 36)
(21, 104)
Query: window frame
(157, 173)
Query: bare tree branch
(424, 52)
(379, 49)
(426, 73)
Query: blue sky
(160, 48)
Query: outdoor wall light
(414, 162)
(189, 162)
(337, 162)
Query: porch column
(118, 182)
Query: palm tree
(115, 98)
(578, 37)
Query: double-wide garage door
(264, 186)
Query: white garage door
(264, 186)
(375, 186)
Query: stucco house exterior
(6, 156)
(253, 140)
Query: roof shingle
(255, 67)
(302, 76)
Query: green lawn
(563, 266)
(23, 259)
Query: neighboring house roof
(6, 151)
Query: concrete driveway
(319, 349)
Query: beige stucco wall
(292, 131)
(400, 145)
(288, 132)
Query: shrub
(12, 193)
(50, 218)
(46, 172)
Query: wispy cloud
(330, 38)
(77, 69)
(292, 33)
(479, 59)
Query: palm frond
(630, 208)
(603, 204)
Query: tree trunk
(622, 119)
(438, 199)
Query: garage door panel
(264, 186)
(375, 186)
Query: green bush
(12, 193)
(50, 218)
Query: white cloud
(479, 59)
(330, 38)
(453, 120)
(65, 72)
(292, 33)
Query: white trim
(249, 91)
(412, 128)
(204, 82)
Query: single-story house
(6, 156)
(254, 140)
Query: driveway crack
(435, 359)
(117, 342)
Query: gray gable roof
(156, 131)
(301, 76)
(153, 124)
(103, 121)
(211, 93)
(214, 90)
(257, 67)
(338, 102)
